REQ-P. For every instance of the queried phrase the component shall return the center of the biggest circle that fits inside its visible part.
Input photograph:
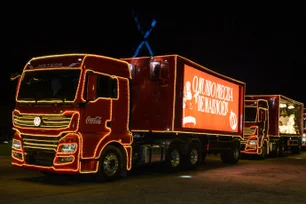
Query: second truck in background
(273, 124)
(304, 130)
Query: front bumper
(42, 153)
(245, 148)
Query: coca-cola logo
(93, 120)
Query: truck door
(100, 92)
(263, 121)
(107, 108)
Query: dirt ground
(273, 180)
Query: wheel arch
(123, 156)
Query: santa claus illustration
(188, 119)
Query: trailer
(273, 125)
(84, 113)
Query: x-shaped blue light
(145, 36)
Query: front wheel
(264, 150)
(109, 164)
(231, 156)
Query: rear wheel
(278, 150)
(295, 150)
(193, 157)
(281, 149)
(173, 158)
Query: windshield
(250, 114)
(49, 85)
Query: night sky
(260, 44)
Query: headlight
(16, 144)
(252, 142)
(67, 148)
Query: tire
(263, 154)
(278, 150)
(193, 157)
(173, 158)
(231, 156)
(282, 149)
(295, 150)
(109, 164)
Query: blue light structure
(145, 36)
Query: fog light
(64, 159)
(17, 155)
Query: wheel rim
(175, 158)
(193, 156)
(110, 164)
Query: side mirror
(15, 76)
(91, 87)
(159, 70)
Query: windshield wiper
(59, 96)
(63, 99)
(35, 98)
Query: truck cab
(256, 127)
(72, 115)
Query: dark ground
(274, 180)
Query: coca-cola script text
(95, 120)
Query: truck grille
(39, 150)
(50, 121)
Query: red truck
(304, 130)
(273, 124)
(84, 113)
